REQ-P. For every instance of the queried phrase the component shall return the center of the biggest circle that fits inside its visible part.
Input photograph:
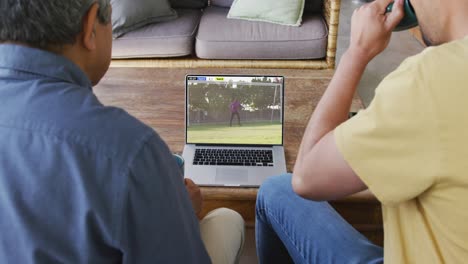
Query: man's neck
(458, 25)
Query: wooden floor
(157, 97)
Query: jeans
(290, 229)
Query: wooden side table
(157, 97)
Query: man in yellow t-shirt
(409, 147)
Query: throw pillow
(128, 15)
(193, 4)
(284, 12)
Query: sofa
(205, 37)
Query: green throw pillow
(128, 15)
(284, 12)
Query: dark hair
(45, 23)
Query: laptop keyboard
(233, 157)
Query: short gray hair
(46, 23)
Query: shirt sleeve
(393, 145)
(158, 221)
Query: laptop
(234, 129)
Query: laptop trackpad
(231, 176)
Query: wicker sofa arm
(331, 14)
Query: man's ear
(88, 36)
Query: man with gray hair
(81, 182)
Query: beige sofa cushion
(222, 38)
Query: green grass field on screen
(248, 133)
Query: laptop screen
(234, 110)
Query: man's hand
(371, 28)
(195, 196)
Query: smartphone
(409, 20)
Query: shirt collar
(37, 61)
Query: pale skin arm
(320, 172)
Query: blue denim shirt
(81, 182)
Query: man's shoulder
(439, 59)
(72, 115)
(104, 130)
(430, 70)
(112, 129)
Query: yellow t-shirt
(410, 147)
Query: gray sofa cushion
(222, 38)
(166, 39)
(197, 4)
(311, 6)
(128, 15)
